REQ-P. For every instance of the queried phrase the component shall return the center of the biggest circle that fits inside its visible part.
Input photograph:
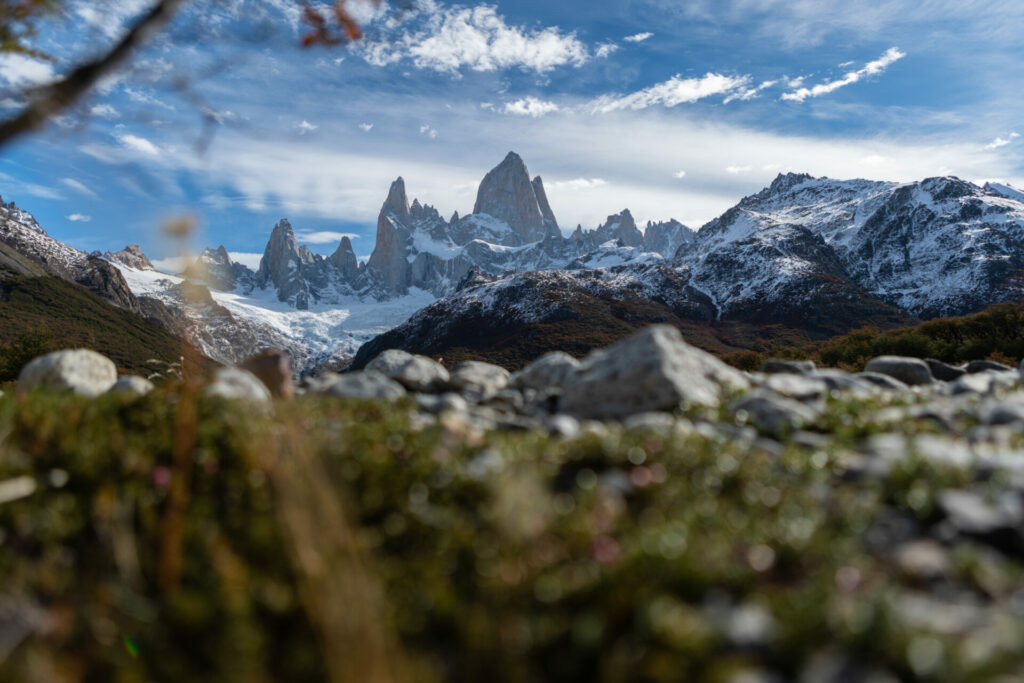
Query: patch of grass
(330, 537)
(35, 308)
(996, 333)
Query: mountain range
(803, 259)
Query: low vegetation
(340, 541)
(39, 314)
(996, 333)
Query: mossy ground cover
(330, 540)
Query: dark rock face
(506, 193)
(104, 279)
(130, 256)
(344, 259)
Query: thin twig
(62, 95)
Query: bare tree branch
(60, 96)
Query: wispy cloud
(1002, 142)
(638, 37)
(366, 127)
(79, 218)
(675, 91)
(104, 111)
(476, 38)
(679, 174)
(736, 170)
(749, 93)
(79, 186)
(322, 236)
(429, 131)
(578, 184)
(891, 56)
(531, 106)
(139, 144)
(605, 50)
(305, 126)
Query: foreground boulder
(912, 371)
(416, 373)
(83, 372)
(274, 369)
(547, 372)
(132, 385)
(477, 379)
(367, 385)
(237, 384)
(652, 370)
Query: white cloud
(79, 218)
(638, 37)
(679, 174)
(322, 236)
(749, 93)
(142, 97)
(172, 264)
(476, 38)
(247, 259)
(675, 91)
(366, 127)
(605, 50)
(736, 170)
(530, 106)
(104, 111)
(19, 71)
(578, 184)
(428, 131)
(138, 144)
(891, 56)
(305, 127)
(1002, 142)
(79, 187)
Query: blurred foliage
(996, 333)
(505, 556)
(18, 24)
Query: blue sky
(672, 109)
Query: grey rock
(911, 371)
(800, 387)
(359, 385)
(132, 385)
(508, 194)
(652, 370)
(435, 404)
(774, 366)
(971, 513)
(416, 373)
(924, 560)
(976, 366)
(237, 384)
(83, 372)
(547, 372)
(986, 382)
(562, 426)
(1002, 412)
(944, 371)
(882, 381)
(773, 414)
(657, 423)
(478, 379)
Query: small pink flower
(161, 477)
